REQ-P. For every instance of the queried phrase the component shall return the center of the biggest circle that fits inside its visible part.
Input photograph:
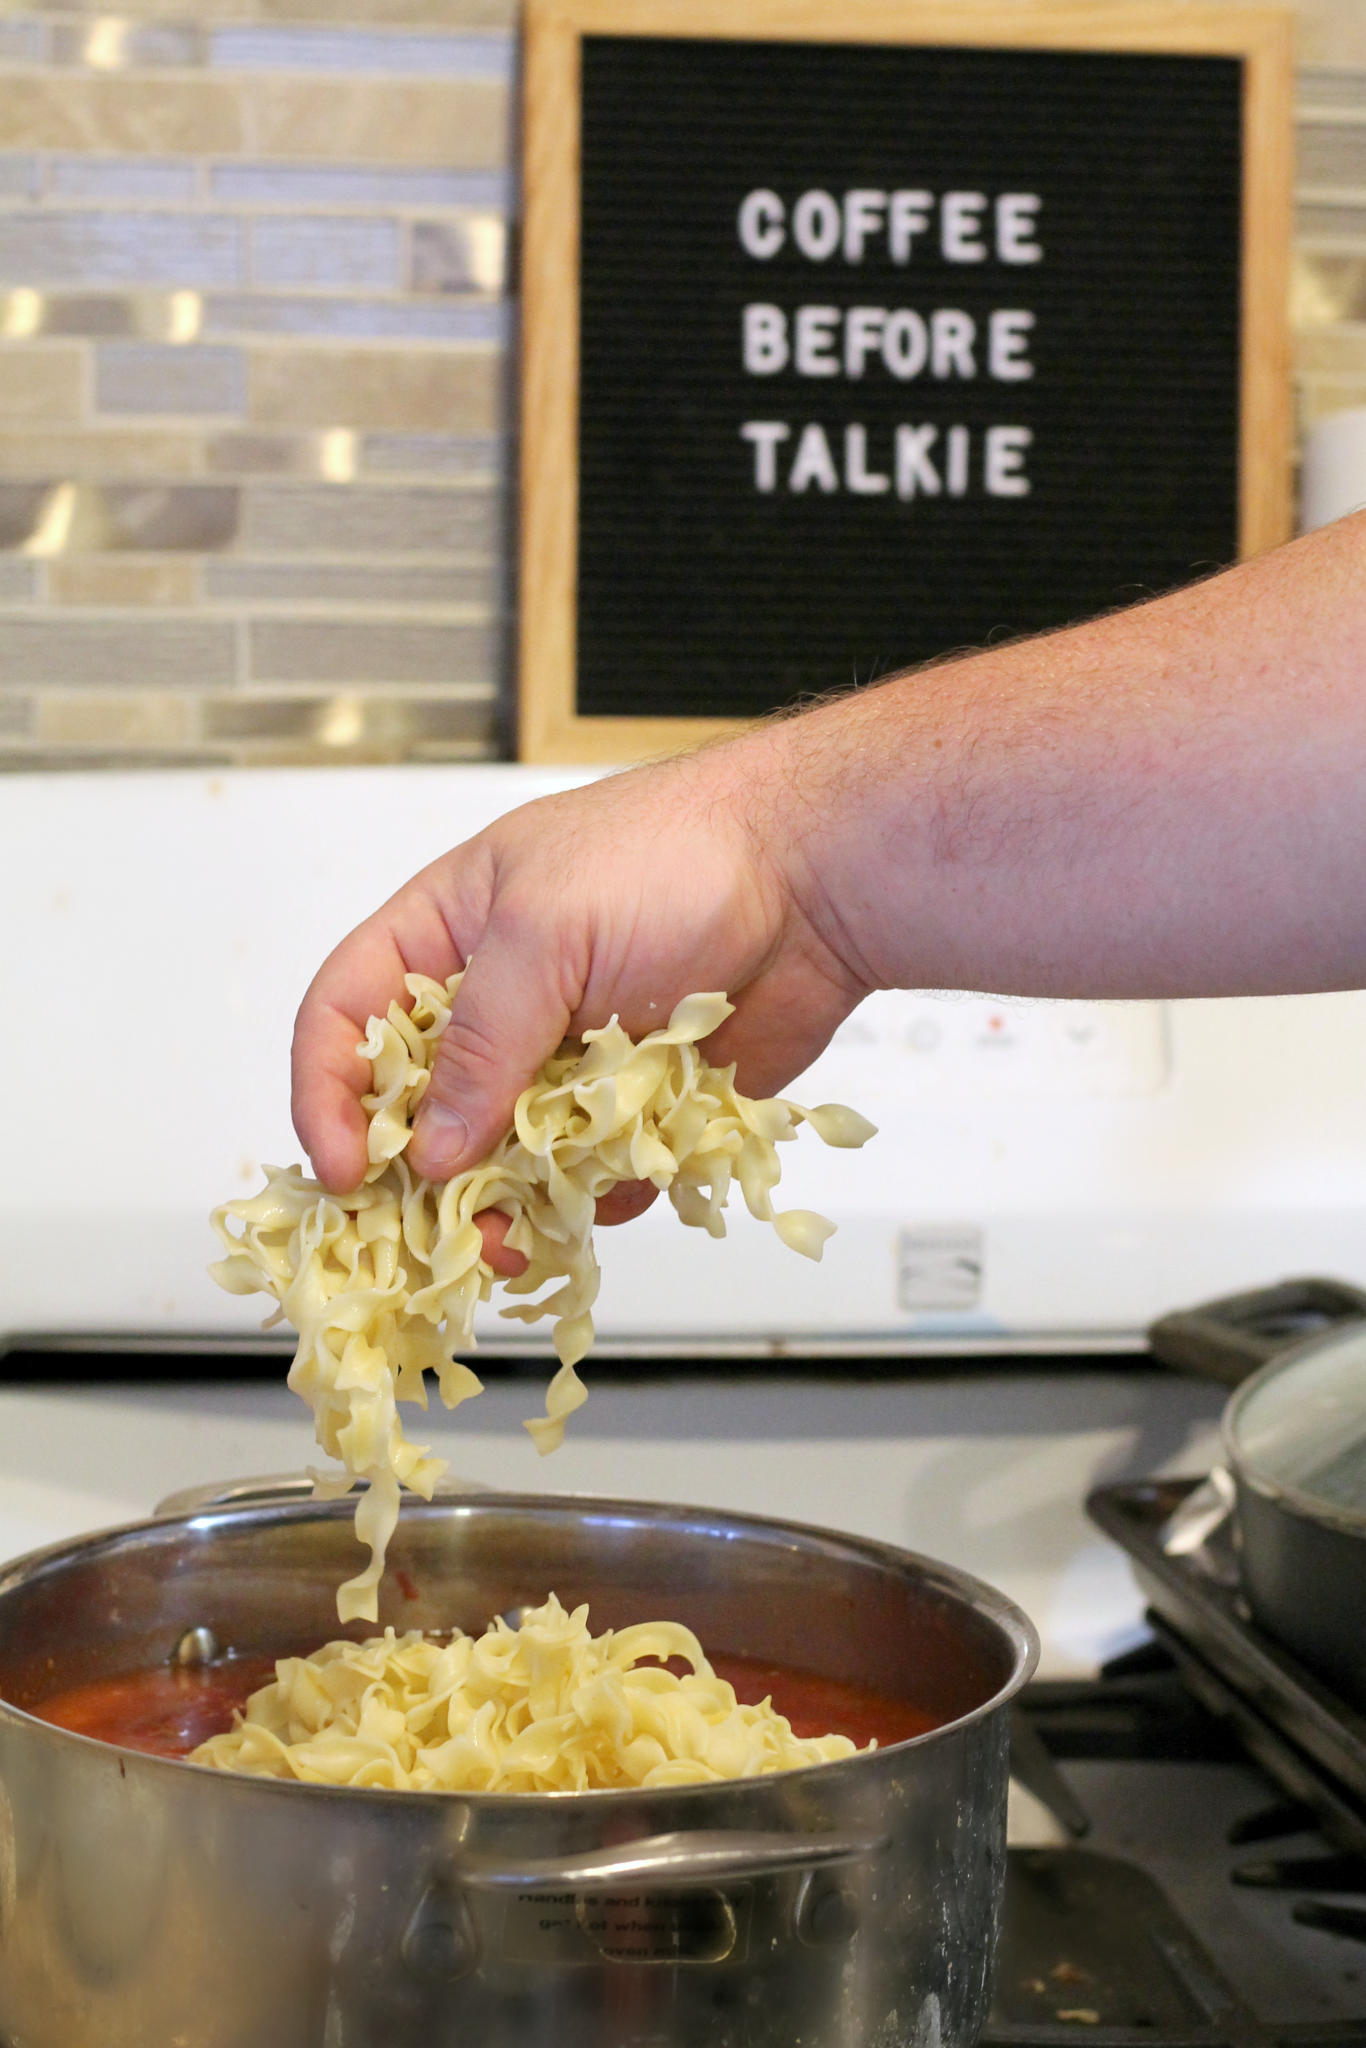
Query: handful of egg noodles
(540, 1707)
(381, 1283)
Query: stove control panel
(932, 1046)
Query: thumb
(505, 1023)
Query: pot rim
(987, 1601)
(1293, 1499)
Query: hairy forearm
(1168, 801)
(1171, 801)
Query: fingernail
(444, 1135)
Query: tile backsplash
(254, 369)
(253, 420)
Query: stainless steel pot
(1295, 1441)
(151, 1904)
(1293, 1478)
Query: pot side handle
(688, 1857)
(278, 1486)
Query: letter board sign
(857, 334)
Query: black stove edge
(112, 1356)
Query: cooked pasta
(381, 1283)
(544, 1707)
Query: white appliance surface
(1047, 1174)
(985, 1470)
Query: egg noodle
(544, 1707)
(381, 1283)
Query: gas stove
(1170, 1883)
(960, 1371)
(1199, 1871)
(1164, 1887)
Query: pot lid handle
(1232, 1337)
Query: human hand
(618, 898)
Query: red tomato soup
(824, 1706)
(169, 1711)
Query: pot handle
(278, 1486)
(689, 1857)
(1201, 1532)
(1231, 1338)
(1201, 1514)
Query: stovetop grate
(1311, 1741)
(1193, 1914)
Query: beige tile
(374, 651)
(1320, 396)
(1326, 290)
(1337, 351)
(397, 13)
(153, 10)
(38, 452)
(1326, 31)
(1331, 32)
(66, 650)
(307, 387)
(42, 382)
(19, 579)
(350, 520)
(21, 760)
(298, 583)
(278, 754)
(16, 715)
(122, 582)
(460, 124)
(141, 519)
(63, 111)
(235, 454)
(132, 718)
(352, 725)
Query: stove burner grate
(1311, 1742)
(1161, 1930)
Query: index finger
(329, 1073)
(358, 980)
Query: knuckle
(467, 1053)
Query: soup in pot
(169, 1710)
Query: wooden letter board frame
(550, 727)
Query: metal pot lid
(1297, 1429)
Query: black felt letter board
(992, 341)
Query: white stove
(987, 1470)
(956, 1376)
(1048, 1178)
(1048, 1175)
